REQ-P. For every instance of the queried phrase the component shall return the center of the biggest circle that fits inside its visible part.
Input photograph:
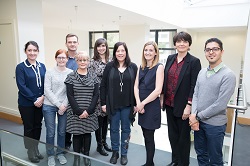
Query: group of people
(87, 95)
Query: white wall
(54, 40)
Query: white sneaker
(62, 159)
(51, 161)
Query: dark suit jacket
(186, 82)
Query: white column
(30, 25)
(135, 36)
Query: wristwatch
(197, 117)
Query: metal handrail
(241, 98)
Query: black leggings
(82, 140)
(150, 145)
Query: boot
(86, 160)
(37, 153)
(124, 160)
(115, 156)
(87, 144)
(32, 156)
(76, 161)
(106, 146)
(101, 150)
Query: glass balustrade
(13, 152)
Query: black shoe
(106, 147)
(32, 156)
(37, 153)
(82, 150)
(87, 161)
(76, 161)
(101, 150)
(115, 156)
(124, 160)
(172, 164)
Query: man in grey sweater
(214, 87)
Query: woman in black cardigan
(180, 76)
(117, 99)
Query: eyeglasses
(61, 58)
(214, 49)
(82, 60)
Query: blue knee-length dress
(151, 119)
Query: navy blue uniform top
(71, 64)
(30, 82)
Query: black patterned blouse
(97, 67)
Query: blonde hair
(156, 58)
(81, 55)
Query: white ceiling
(99, 15)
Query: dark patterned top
(97, 67)
(173, 75)
(85, 95)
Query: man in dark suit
(180, 76)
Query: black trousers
(150, 145)
(179, 137)
(82, 141)
(101, 132)
(32, 123)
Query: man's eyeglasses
(214, 49)
(61, 58)
(82, 60)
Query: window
(164, 39)
(112, 37)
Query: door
(8, 88)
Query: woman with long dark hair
(117, 99)
(97, 65)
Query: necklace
(121, 78)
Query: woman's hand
(104, 108)
(62, 109)
(84, 114)
(39, 102)
(186, 112)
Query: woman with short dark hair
(180, 76)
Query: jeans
(208, 143)
(49, 113)
(120, 115)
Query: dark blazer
(186, 82)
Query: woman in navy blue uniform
(147, 89)
(30, 83)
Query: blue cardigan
(30, 82)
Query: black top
(110, 88)
(121, 96)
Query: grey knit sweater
(54, 87)
(212, 94)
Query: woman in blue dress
(147, 89)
